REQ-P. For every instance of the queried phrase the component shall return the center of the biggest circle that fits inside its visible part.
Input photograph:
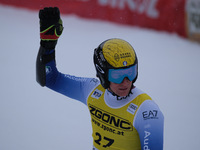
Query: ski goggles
(118, 75)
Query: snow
(36, 118)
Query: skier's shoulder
(143, 99)
(92, 83)
(140, 94)
(148, 104)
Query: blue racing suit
(134, 122)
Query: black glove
(50, 26)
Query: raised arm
(46, 72)
(50, 30)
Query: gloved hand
(50, 26)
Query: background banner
(174, 16)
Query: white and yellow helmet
(115, 59)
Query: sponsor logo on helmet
(125, 55)
(116, 57)
(101, 56)
(99, 69)
(125, 63)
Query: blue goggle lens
(118, 75)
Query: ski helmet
(115, 54)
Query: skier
(123, 117)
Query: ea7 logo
(151, 114)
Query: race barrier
(174, 16)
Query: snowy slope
(35, 118)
